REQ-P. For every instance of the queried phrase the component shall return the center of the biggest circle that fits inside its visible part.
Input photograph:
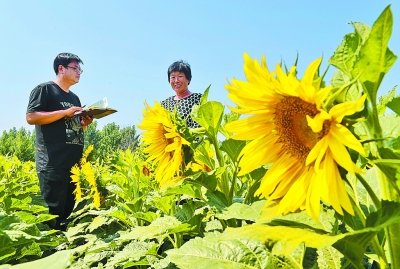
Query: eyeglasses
(76, 69)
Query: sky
(128, 45)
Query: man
(179, 77)
(59, 135)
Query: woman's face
(178, 82)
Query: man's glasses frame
(76, 69)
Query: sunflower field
(302, 172)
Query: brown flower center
(291, 124)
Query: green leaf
(352, 244)
(209, 116)
(207, 253)
(6, 249)
(204, 97)
(387, 215)
(227, 118)
(375, 58)
(192, 190)
(233, 148)
(31, 249)
(390, 169)
(385, 99)
(97, 222)
(209, 181)
(394, 105)
(132, 252)
(241, 211)
(329, 258)
(163, 203)
(391, 130)
(344, 56)
(59, 260)
(159, 228)
(146, 216)
(217, 199)
(29, 218)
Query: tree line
(21, 142)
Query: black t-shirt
(184, 107)
(59, 145)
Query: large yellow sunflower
(163, 143)
(290, 128)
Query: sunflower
(85, 171)
(163, 142)
(291, 128)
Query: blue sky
(127, 45)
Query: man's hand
(70, 112)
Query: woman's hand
(86, 120)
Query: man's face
(72, 72)
(178, 82)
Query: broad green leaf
(375, 58)
(394, 105)
(345, 54)
(29, 218)
(209, 116)
(233, 148)
(204, 153)
(59, 260)
(159, 229)
(97, 222)
(204, 97)
(298, 220)
(384, 100)
(134, 251)
(7, 220)
(7, 253)
(91, 258)
(121, 215)
(390, 167)
(362, 30)
(31, 249)
(207, 253)
(185, 213)
(217, 199)
(352, 244)
(146, 216)
(387, 215)
(329, 258)
(240, 211)
(192, 190)
(163, 203)
(6, 249)
(391, 130)
(227, 118)
(208, 180)
(143, 262)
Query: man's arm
(41, 118)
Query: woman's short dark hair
(65, 59)
(180, 66)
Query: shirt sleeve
(37, 100)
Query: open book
(97, 110)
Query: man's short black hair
(65, 59)
(180, 66)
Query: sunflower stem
(370, 191)
(392, 232)
(224, 178)
(375, 241)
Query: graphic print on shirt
(73, 128)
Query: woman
(179, 76)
